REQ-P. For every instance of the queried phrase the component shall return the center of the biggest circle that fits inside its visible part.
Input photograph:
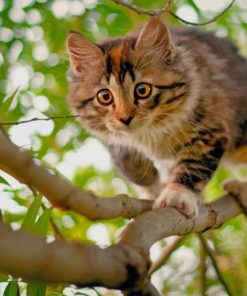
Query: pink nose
(126, 121)
(125, 115)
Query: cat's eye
(143, 90)
(105, 97)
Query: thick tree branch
(60, 192)
(31, 257)
(123, 266)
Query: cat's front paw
(184, 200)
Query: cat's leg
(137, 169)
(196, 162)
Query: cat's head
(127, 86)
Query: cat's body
(169, 111)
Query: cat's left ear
(83, 53)
(155, 34)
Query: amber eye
(143, 90)
(105, 97)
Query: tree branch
(26, 255)
(165, 255)
(37, 119)
(167, 9)
(123, 266)
(202, 270)
(19, 164)
(215, 265)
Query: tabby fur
(170, 143)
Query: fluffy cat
(170, 104)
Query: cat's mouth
(118, 127)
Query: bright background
(33, 58)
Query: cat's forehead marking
(118, 64)
(126, 67)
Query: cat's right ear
(82, 52)
(155, 35)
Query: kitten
(169, 104)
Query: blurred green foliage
(33, 66)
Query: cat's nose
(126, 121)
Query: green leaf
(11, 289)
(3, 181)
(36, 289)
(29, 220)
(7, 103)
(41, 226)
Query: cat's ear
(82, 52)
(155, 34)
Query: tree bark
(122, 266)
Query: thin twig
(167, 10)
(215, 265)
(165, 254)
(142, 10)
(203, 23)
(203, 270)
(37, 119)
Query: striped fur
(195, 115)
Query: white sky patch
(92, 152)
(90, 3)
(51, 158)
(242, 3)
(17, 15)
(22, 3)
(33, 17)
(52, 60)
(6, 203)
(21, 134)
(64, 8)
(68, 222)
(38, 80)
(60, 8)
(98, 233)
(188, 13)
(211, 5)
(76, 8)
(9, 205)
(119, 186)
(40, 52)
(34, 34)
(41, 103)
(19, 76)
(67, 134)
(15, 51)
(6, 35)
